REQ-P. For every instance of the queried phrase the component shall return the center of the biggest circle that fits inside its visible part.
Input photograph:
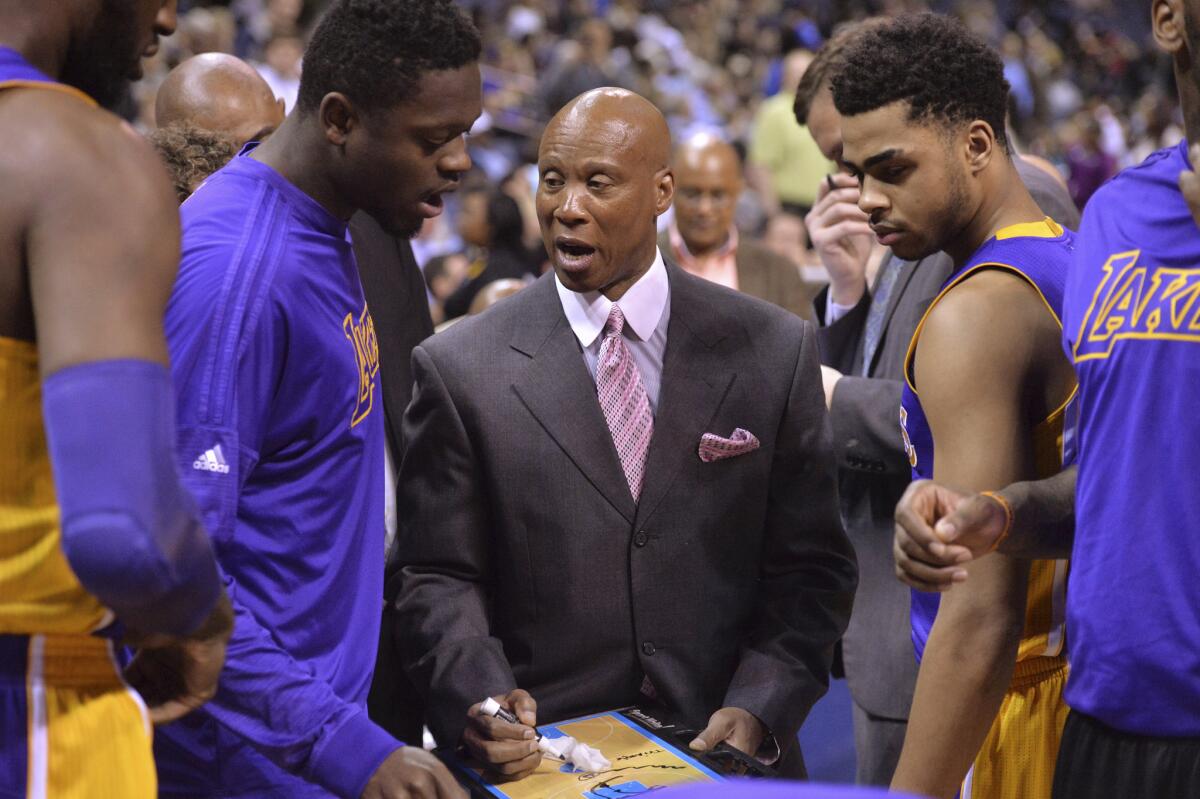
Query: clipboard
(648, 750)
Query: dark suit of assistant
(877, 651)
(767, 275)
(526, 562)
(395, 293)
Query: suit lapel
(695, 379)
(561, 395)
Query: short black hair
(375, 51)
(826, 62)
(934, 63)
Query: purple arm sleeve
(130, 531)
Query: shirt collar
(685, 255)
(643, 305)
(305, 207)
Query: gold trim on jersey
(52, 87)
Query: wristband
(1008, 517)
(130, 531)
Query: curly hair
(191, 155)
(943, 71)
(375, 51)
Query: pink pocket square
(715, 448)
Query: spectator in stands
(443, 275)
(1088, 165)
(588, 65)
(281, 65)
(703, 239)
(489, 221)
(787, 165)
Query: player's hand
(739, 728)
(510, 751)
(176, 676)
(839, 233)
(938, 530)
(1189, 183)
(412, 773)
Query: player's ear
(980, 145)
(338, 117)
(1169, 23)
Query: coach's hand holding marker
(564, 748)
(509, 750)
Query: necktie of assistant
(890, 273)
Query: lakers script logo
(366, 354)
(909, 449)
(1135, 301)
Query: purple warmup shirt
(281, 441)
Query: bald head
(625, 120)
(705, 152)
(220, 93)
(708, 180)
(605, 181)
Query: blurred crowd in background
(1089, 93)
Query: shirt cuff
(347, 757)
(768, 751)
(834, 311)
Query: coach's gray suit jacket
(525, 562)
(881, 668)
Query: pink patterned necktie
(624, 402)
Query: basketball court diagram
(642, 763)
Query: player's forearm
(964, 675)
(294, 718)
(130, 531)
(1043, 523)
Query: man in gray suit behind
(864, 338)
(618, 484)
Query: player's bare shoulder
(59, 148)
(89, 230)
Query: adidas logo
(212, 460)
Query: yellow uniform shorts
(69, 727)
(1017, 758)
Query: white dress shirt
(647, 309)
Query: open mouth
(574, 254)
(432, 206)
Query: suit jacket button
(648, 648)
(640, 539)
